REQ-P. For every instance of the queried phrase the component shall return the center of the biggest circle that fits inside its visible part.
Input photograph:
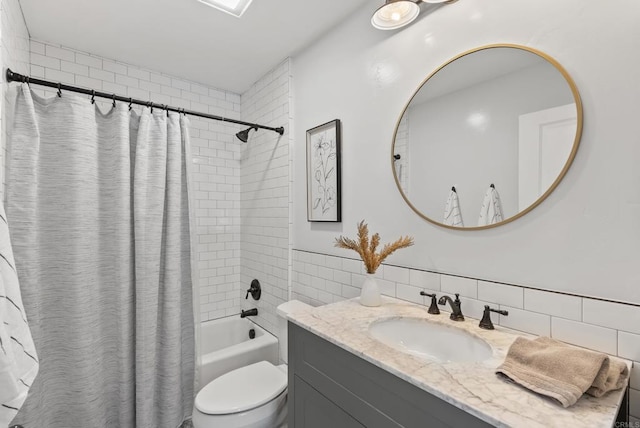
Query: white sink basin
(430, 341)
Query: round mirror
(487, 137)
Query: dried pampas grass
(367, 250)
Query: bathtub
(225, 345)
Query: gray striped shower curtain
(98, 208)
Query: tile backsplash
(609, 327)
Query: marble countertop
(472, 387)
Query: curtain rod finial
(9, 75)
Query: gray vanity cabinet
(332, 388)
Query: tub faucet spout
(249, 313)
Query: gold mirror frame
(563, 172)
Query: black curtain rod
(16, 77)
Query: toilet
(253, 396)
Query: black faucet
(249, 313)
(485, 322)
(433, 309)
(456, 312)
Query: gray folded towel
(561, 371)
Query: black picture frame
(324, 173)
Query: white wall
(447, 150)
(583, 239)
(14, 40)
(264, 199)
(216, 156)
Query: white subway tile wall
(613, 315)
(629, 345)
(396, 274)
(420, 278)
(265, 195)
(604, 328)
(411, 293)
(473, 308)
(215, 156)
(531, 322)
(464, 286)
(561, 305)
(14, 54)
(501, 294)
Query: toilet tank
(284, 310)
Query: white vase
(370, 294)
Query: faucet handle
(485, 322)
(255, 290)
(433, 308)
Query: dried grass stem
(367, 250)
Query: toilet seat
(242, 389)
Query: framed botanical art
(323, 172)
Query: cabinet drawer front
(314, 410)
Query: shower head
(244, 135)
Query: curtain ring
(130, 103)
(59, 89)
(28, 81)
(113, 98)
(150, 105)
(166, 107)
(93, 96)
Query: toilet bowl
(253, 396)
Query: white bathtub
(225, 346)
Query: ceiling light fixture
(232, 7)
(395, 14)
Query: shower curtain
(99, 212)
